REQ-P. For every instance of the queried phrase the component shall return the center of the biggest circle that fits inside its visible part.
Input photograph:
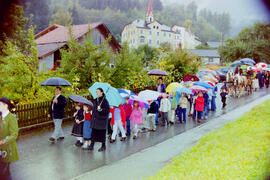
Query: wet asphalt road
(42, 160)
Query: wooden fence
(37, 113)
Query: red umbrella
(190, 76)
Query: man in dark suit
(56, 112)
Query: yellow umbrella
(209, 78)
(172, 86)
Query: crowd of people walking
(92, 123)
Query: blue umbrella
(80, 99)
(126, 93)
(111, 93)
(236, 63)
(181, 90)
(203, 84)
(248, 61)
(55, 81)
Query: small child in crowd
(199, 106)
(77, 129)
(151, 116)
(206, 104)
(136, 118)
(118, 122)
(87, 130)
(128, 110)
(173, 102)
(165, 107)
(183, 108)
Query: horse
(230, 83)
(241, 84)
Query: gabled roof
(205, 52)
(56, 36)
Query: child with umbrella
(77, 129)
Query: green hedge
(239, 150)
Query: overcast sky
(243, 12)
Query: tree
(157, 5)
(62, 17)
(87, 61)
(252, 42)
(39, 10)
(192, 10)
(19, 72)
(12, 24)
(188, 24)
(178, 63)
(148, 53)
(126, 62)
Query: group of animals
(239, 85)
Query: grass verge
(239, 150)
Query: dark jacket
(59, 108)
(99, 119)
(224, 91)
(163, 88)
(80, 115)
(206, 97)
(152, 109)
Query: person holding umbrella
(100, 114)
(9, 133)
(56, 112)
(161, 88)
(77, 129)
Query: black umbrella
(80, 99)
(55, 81)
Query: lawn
(239, 150)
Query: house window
(154, 27)
(157, 33)
(157, 42)
(142, 39)
(169, 35)
(164, 34)
(141, 31)
(150, 32)
(133, 41)
(150, 41)
(210, 59)
(157, 27)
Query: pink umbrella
(142, 102)
(198, 88)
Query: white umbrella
(149, 95)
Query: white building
(154, 33)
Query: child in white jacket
(165, 107)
